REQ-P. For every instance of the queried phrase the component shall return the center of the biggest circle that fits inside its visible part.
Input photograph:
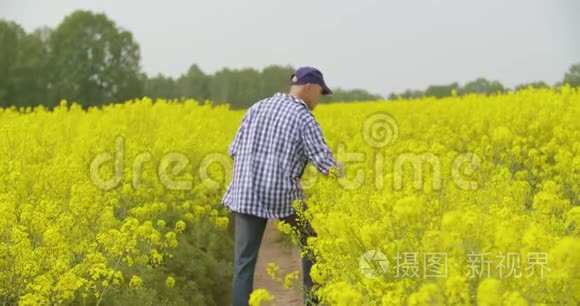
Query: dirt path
(287, 257)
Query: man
(277, 137)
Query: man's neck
(298, 97)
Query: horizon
(545, 43)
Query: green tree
(482, 86)
(407, 94)
(193, 84)
(160, 86)
(538, 84)
(32, 74)
(93, 61)
(219, 86)
(441, 91)
(9, 37)
(572, 77)
(245, 88)
(276, 79)
(22, 66)
(239, 88)
(343, 95)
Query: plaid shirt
(277, 137)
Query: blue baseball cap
(304, 75)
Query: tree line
(484, 86)
(88, 59)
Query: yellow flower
(259, 296)
(170, 281)
(273, 269)
(291, 278)
(180, 226)
(135, 282)
(161, 223)
(489, 292)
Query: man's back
(277, 137)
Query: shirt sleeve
(315, 147)
(234, 146)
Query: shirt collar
(295, 99)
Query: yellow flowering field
(102, 206)
(455, 201)
(460, 201)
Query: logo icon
(380, 130)
(373, 264)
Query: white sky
(381, 46)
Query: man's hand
(336, 171)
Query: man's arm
(315, 147)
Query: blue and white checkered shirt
(277, 137)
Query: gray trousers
(249, 230)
